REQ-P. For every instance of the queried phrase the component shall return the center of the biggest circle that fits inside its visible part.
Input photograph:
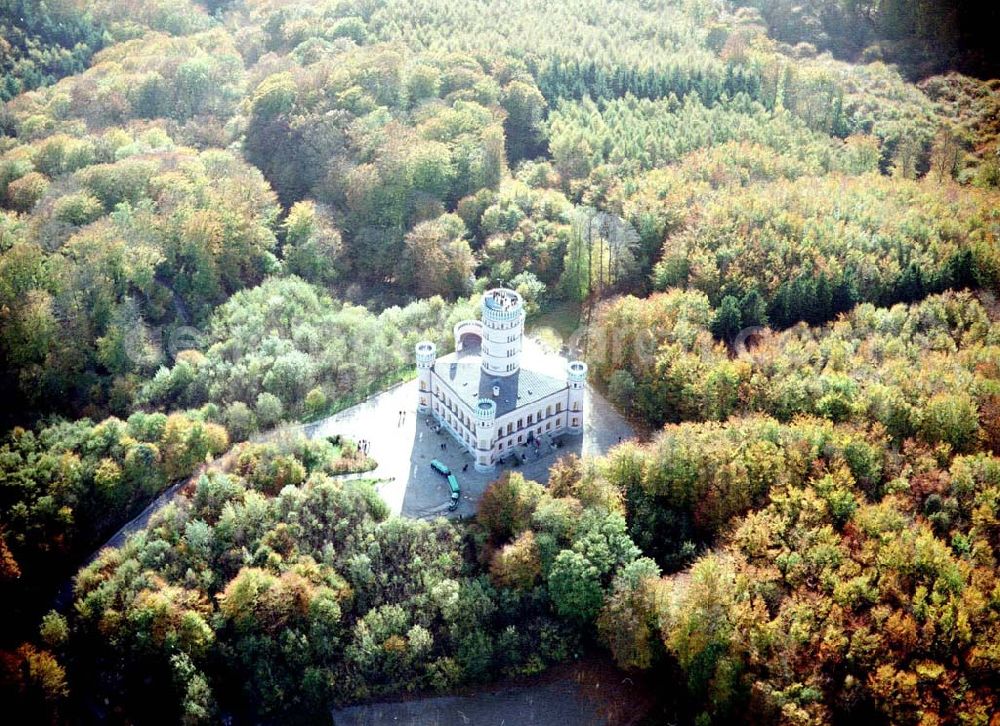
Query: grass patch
(349, 459)
(556, 324)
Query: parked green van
(441, 468)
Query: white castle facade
(482, 395)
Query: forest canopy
(773, 224)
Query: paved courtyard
(404, 445)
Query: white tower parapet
(486, 411)
(576, 378)
(426, 354)
(503, 329)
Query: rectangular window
(548, 426)
(520, 424)
(558, 408)
(559, 421)
(548, 410)
(531, 419)
(501, 446)
(520, 439)
(510, 429)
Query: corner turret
(426, 354)
(486, 411)
(576, 379)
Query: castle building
(483, 396)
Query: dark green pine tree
(959, 271)
(822, 308)
(727, 321)
(778, 309)
(753, 309)
(845, 292)
(910, 285)
(802, 303)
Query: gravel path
(65, 594)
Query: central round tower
(503, 330)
